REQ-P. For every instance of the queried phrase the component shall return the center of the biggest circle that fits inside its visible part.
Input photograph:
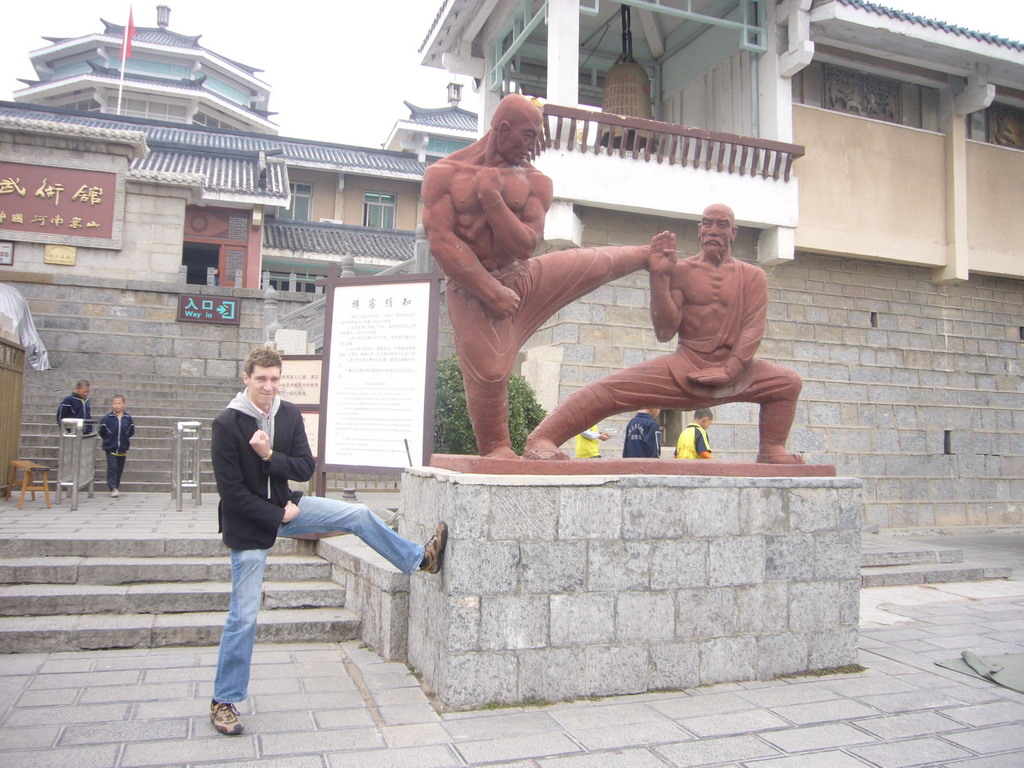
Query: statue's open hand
(662, 258)
(488, 184)
(712, 377)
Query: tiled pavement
(340, 706)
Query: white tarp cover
(13, 305)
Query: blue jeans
(316, 515)
(115, 466)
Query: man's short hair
(264, 357)
(118, 397)
(703, 413)
(82, 383)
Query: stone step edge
(19, 546)
(909, 575)
(872, 558)
(24, 600)
(102, 631)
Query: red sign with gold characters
(56, 201)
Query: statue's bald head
(720, 210)
(515, 109)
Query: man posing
(717, 306)
(484, 209)
(259, 444)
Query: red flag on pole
(129, 33)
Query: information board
(380, 352)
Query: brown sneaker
(433, 550)
(224, 717)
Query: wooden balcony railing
(600, 133)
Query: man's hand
(712, 377)
(603, 436)
(662, 258)
(291, 509)
(488, 185)
(260, 442)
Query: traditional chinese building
(874, 160)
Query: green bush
(453, 432)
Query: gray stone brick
(470, 507)
(734, 561)
(813, 605)
(830, 648)
(590, 513)
(781, 655)
(679, 563)
(728, 749)
(612, 669)
(470, 678)
(762, 511)
(463, 623)
(481, 567)
(704, 612)
(553, 567)
(98, 756)
(761, 608)
(789, 556)
(644, 616)
(582, 619)
(674, 665)
(523, 513)
(712, 512)
(837, 554)
(813, 509)
(726, 659)
(654, 513)
(513, 622)
(550, 674)
(618, 565)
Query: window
(379, 209)
(154, 110)
(302, 202)
(998, 124)
(860, 93)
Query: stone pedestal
(562, 587)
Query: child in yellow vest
(693, 441)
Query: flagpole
(126, 48)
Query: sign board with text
(63, 204)
(219, 310)
(380, 355)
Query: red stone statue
(717, 307)
(484, 209)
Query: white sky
(339, 70)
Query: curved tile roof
(942, 26)
(444, 117)
(339, 239)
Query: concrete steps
(84, 593)
(890, 562)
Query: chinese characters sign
(379, 361)
(300, 380)
(220, 310)
(44, 203)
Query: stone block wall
(128, 326)
(559, 587)
(912, 386)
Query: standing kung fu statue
(484, 209)
(716, 305)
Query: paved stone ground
(341, 706)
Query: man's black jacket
(248, 518)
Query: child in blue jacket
(116, 430)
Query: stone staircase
(71, 594)
(156, 403)
(890, 562)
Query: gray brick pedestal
(565, 586)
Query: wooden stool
(28, 480)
